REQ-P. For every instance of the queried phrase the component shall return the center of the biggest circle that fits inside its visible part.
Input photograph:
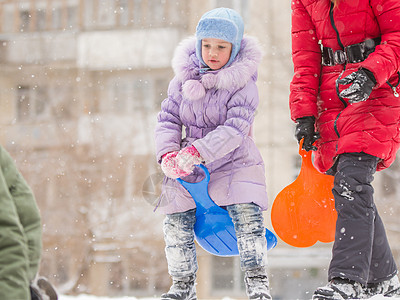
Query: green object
(20, 232)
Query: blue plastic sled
(214, 229)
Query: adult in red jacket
(344, 97)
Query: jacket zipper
(394, 87)
(334, 26)
(344, 68)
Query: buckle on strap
(331, 58)
(340, 57)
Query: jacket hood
(189, 72)
(220, 23)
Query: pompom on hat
(220, 23)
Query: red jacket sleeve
(306, 56)
(384, 62)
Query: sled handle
(204, 181)
(199, 190)
(306, 159)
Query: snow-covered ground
(89, 297)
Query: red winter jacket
(371, 126)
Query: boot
(339, 289)
(35, 294)
(387, 288)
(181, 289)
(42, 289)
(257, 285)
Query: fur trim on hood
(187, 69)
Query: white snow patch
(379, 297)
(91, 297)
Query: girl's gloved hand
(305, 129)
(170, 167)
(187, 158)
(362, 83)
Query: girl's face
(215, 52)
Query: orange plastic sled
(304, 211)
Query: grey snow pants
(361, 251)
(180, 249)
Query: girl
(214, 97)
(346, 56)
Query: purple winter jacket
(214, 111)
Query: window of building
(61, 100)
(40, 19)
(142, 99)
(23, 102)
(100, 13)
(123, 9)
(161, 91)
(64, 16)
(120, 95)
(129, 95)
(156, 16)
(31, 102)
(116, 272)
(3, 50)
(176, 12)
(7, 18)
(25, 20)
(56, 19)
(106, 13)
(137, 12)
(40, 100)
(72, 17)
(121, 98)
(88, 14)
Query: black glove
(305, 129)
(362, 82)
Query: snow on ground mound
(90, 297)
(379, 297)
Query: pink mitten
(187, 158)
(170, 167)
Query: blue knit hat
(220, 23)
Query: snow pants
(361, 251)
(179, 239)
(20, 232)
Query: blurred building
(81, 83)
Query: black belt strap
(351, 54)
